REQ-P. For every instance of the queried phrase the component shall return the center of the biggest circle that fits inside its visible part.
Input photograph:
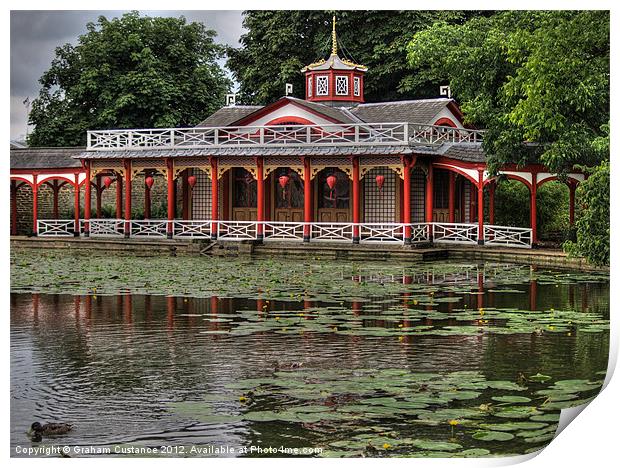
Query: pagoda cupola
(335, 81)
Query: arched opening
(512, 203)
(23, 208)
(380, 196)
(333, 193)
(287, 189)
(552, 211)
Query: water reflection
(112, 364)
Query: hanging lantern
(191, 180)
(331, 183)
(380, 179)
(107, 182)
(149, 182)
(283, 180)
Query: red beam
(407, 200)
(119, 196)
(260, 197)
(171, 198)
(87, 200)
(214, 200)
(127, 163)
(356, 199)
(307, 198)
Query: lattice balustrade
(507, 236)
(149, 228)
(381, 233)
(283, 231)
(237, 230)
(105, 227)
(55, 228)
(455, 232)
(192, 229)
(332, 232)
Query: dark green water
(350, 358)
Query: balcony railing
(369, 233)
(400, 133)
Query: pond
(320, 358)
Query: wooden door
(333, 203)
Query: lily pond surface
(382, 359)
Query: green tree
(279, 44)
(129, 72)
(527, 76)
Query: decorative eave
(334, 63)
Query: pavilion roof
(45, 158)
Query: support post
(55, 190)
(480, 207)
(119, 196)
(214, 200)
(533, 209)
(13, 208)
(147, 198)
(355, 174)
(98, 195)
(451, 191)
(171, 197)
(492, 202)
(76, 206)
(185, 195)
(87, 201)
(571, 203)
(307, 198)
(260, 198)
(407, 200)
(429, 198)
(127, 164)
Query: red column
(185, 194)
(87, 201)
(147, 198)
(480, 207)
(214, 198)
(307, 198)
(76, 206)
(55, 190)
(13, 208)
(571, 203)
(492, 202)
(127, 164)
(429, 194)
(171, 199)
(98, 196)
(355, 174)
(260, 197)
(407, 200)
(533, 209)
(451, 186)
(119, 196)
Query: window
(322, 86)
(342, 85)
(356, 86)
(310, 86)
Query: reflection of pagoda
(335, 81)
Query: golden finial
(334, 42)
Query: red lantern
(283, 180)
(331, 183)
(380, 179)
(191, 180)
(107, 182)
(149, 182)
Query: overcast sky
(35, 35)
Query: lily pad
(493, 436)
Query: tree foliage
(128, 72)
(527, 76)
(279, 43)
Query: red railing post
(307, 198)
(355, 174)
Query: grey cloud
(36, 34)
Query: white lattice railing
(192, 229)
(455, 233)
(237, 230)
(332, 232)
(56, 227)
(389, 233)
(105, 227)
(398, 133)
(507, 236)
(149, 228)
(283, 230)
(423, 134)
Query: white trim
(524, 175)
(45, 177)
(28, 177)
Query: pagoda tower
(335, 81)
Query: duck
(50, 429)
